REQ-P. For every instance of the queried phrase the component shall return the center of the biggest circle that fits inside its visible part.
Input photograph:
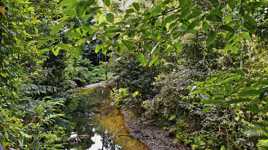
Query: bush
(136, 79)
(173, 88)
(199, 125)
(83, 72)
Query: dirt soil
(152, 136)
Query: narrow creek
(102, 127)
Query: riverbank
(127, 130)
(154, 137)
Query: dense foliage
(196, 68)
(209, 57)
(37, 70)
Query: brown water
(112, 120)
(103, 127)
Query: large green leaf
(142, 59)
(211, 37)
(250, 23)
(107, 2)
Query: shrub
(136, 78)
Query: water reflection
(90, 113)
(88, 136)
(103, 142)
(99, 141)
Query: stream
(100, 126)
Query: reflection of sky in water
(86, 132)
(97, 139)
(102, 142)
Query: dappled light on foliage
(194, 71)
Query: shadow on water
(89, 136)
(96, 124)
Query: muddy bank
(154, 137)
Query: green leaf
(154, 61)
(136, 6)
(101, 18)
(81, 8)
(250, 23)
(110, 17)
(107, 2)
(129, 44)
(215, 15)
(263, 144)
(178, 46)
(245, 35)
(69, 7)
(130, 10)
(170, 18)
(232, 4)
(185, 4)
(141, 58)
(56, 51)
(172, 117)
(3, 74)
(156, 10)
(64, 46)
(98, 48)
(215, 3)
(193, 24)
(211, 37)
(227, 28)
(250, 92)
(231, 48)
(196, 12)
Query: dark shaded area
(89, 52)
